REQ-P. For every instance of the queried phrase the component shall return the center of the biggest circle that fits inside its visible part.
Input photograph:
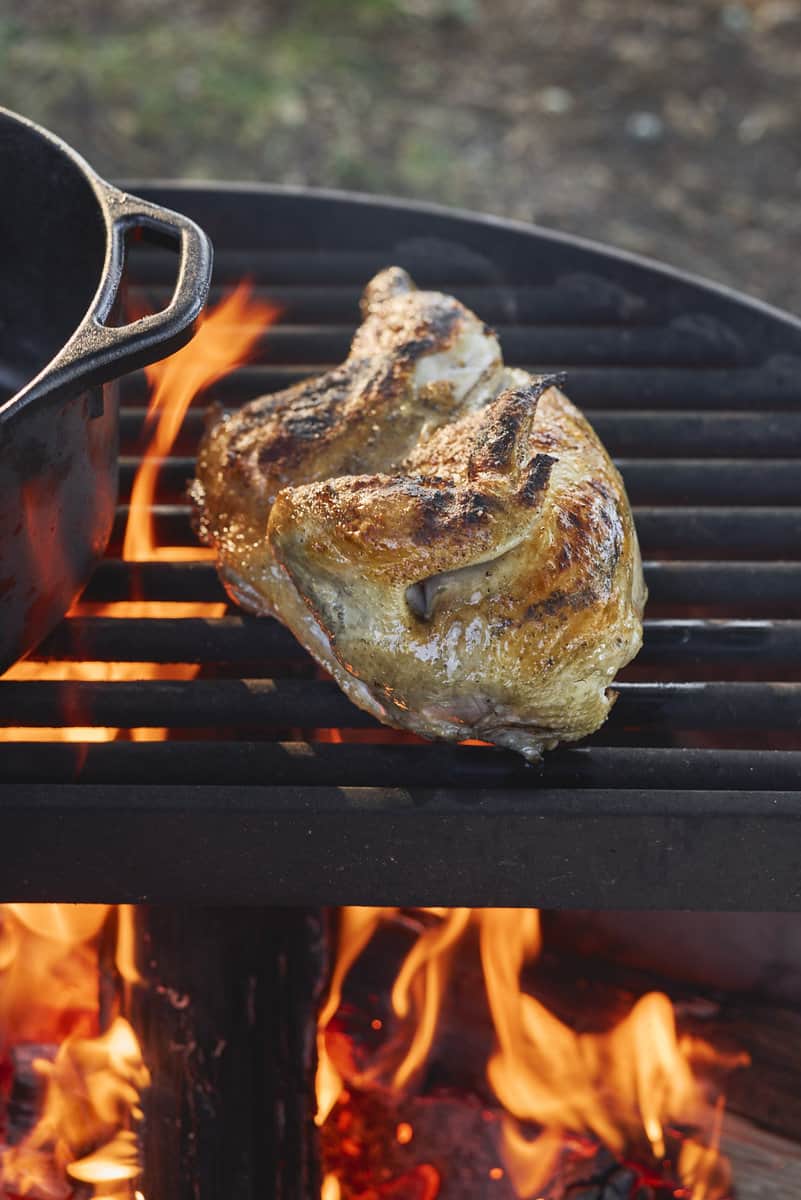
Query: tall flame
(421, 983)
(85, 1131)
(356, 929)
(225, 339)
(623, 1087)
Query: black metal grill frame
(690, 796)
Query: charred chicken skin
(447, 537)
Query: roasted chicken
(446, 536)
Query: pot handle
(98, 352)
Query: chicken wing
(447, 537)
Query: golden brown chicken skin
(478, 578)
(419, 360)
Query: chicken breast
(447, 537)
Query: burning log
(227, 1021)
(765, 1167)
(756, 954)
(26, 1090)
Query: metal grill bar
(771, 386)
(247, 763)
(652, 481)
(238, 639)
(183, 704)
(645, 434)
(573, 301)
(522, 345)
(746, 585)
(698, 532)
(327, 266)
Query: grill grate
(688, 796)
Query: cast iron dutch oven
(62, 247)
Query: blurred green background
(664, 126)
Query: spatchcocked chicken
(447, 537)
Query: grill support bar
(596, 848)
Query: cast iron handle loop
(98, 352)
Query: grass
(452, 101)
(231, 94)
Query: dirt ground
(668, 127)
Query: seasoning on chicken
(447, 537)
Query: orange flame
(93, 1086)
(421, 980)
(125, 959)
(623, 1086)
(224, 340)
(356, 929)
(48, 970)
(703, 1168)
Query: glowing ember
(330, 1189)
(565, 1097)
(224, 340)
(90, 1082)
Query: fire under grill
(270, 787)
